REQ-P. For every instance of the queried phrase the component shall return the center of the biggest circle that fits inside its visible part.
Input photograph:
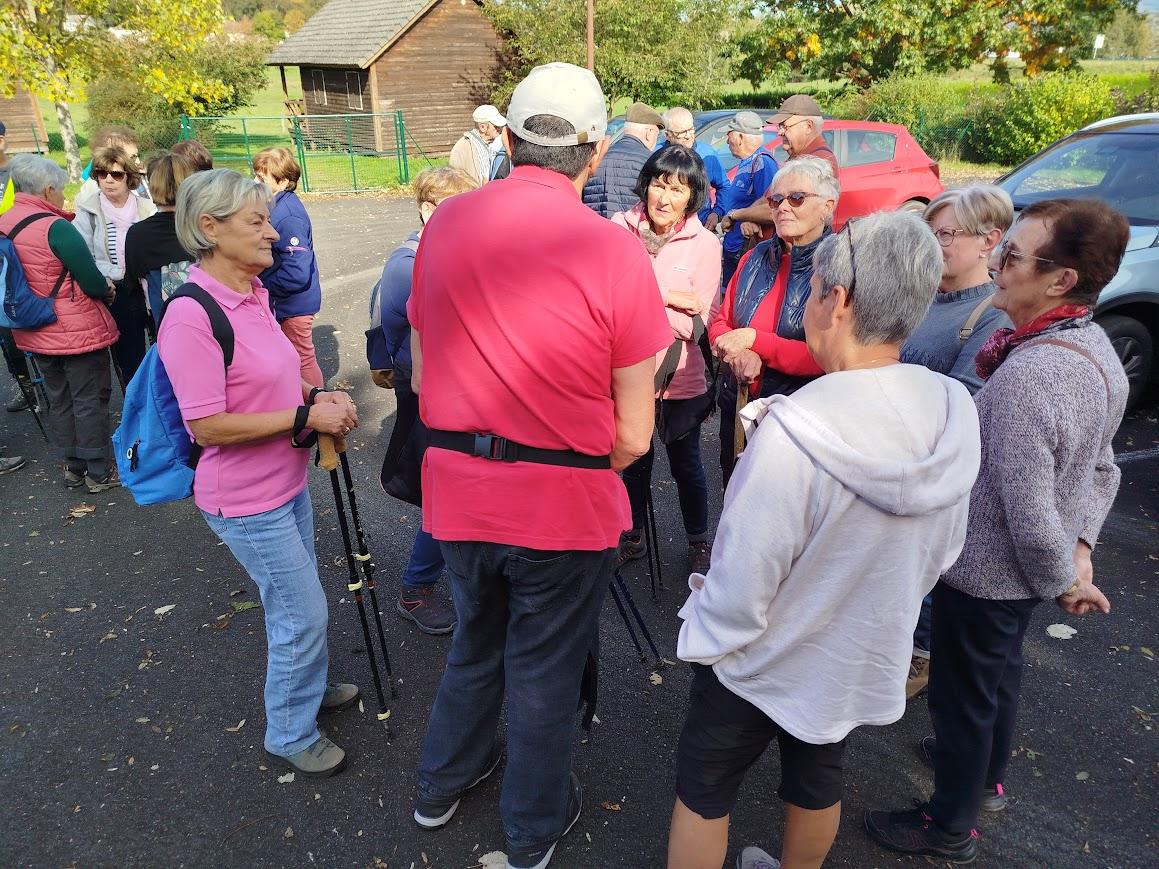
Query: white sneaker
(753, 857)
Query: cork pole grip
(329, 446)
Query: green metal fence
(337, 153)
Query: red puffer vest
(82, 324)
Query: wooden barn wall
(21, 115)
(335, 99)
(438, 72)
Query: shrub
(119, 102)
(828, 95)
(1144, 100)
(1037, 112)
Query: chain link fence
(337, 153)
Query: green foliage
(1038, 111)
(830, 97)
(1128, 35)
(1145, 99)
(663, 52)
(118, 102)
(269, 23)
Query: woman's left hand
(683, 300)
(746, 366)
(342, 399)
(731, 343)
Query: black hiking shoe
(430, 612)
(632, 547)
(430, 814)
(914, 832)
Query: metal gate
(337, 153)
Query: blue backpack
(20, 307)
(156, 458)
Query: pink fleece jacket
(689, 262)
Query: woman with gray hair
(849, 501)
(758, 330)
(248, 417)
(72, 351)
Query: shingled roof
(347, 33)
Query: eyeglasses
(796, 198)
(1005, 252)
(848, 233)
(102, 174)
(946, 236)
(782, 127)
(681, 134)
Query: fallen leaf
(161, 610)
(236, 727)
(1082, 776)
(610, 806)
(81, 510)
(139, 552)
(109, 636)
(1061, 632)
(240, 606)
(1147, 652)
(493, 860)
(236, 592)
(655, 678)
(1086, 848)
(289, 834)
(286, 779)
(142, 720)
(74, 609)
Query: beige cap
(801, 105)
(565, 91)
(642, 113)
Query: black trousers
(975, 680)
(132, 318)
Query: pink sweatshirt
(689, 262)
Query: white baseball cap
(488, 115)
(565, 91)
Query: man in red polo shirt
(535, 325)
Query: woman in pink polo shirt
(251, 481)
(686, 258)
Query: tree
(295, 18)
(1128, 35)
(662, 52)
(268, 23)
(862, 41)
(53, 48)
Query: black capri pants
(725, 734)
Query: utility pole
(592, 35)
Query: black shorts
(725, 734)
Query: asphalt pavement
(133, 654)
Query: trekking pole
(36, 376)
(621, 595)
(627, 621)
(29, 394)
(653, 543)
(328, 460)
(364, 560)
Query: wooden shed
(433, 60)
(21, 115)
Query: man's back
(526, 302)
(612, 187)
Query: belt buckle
(491, 447)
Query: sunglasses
(848, 233)
(1005, 252)
(102, 174)
(796, 199)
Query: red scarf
(999, 345)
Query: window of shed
(353, 91)
(318, 84)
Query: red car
(882, 166)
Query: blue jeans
(526, 621)
(925, 623)
(426, 562)
(277, 550)
(691, 487)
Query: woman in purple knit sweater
(1054, 396)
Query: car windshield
(1118, 168)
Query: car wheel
(914, 205)
(1136, 349)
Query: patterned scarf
(999, 345)
(652, 241)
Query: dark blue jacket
(610, 189)
(393, 292)
(753, 176)
(292, 280)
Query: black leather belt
(497, 449)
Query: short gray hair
(819, 173)
(220, 193)
(818, 122)
(33, 174)
(898, 268)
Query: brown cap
(642, 113)
(802, 105)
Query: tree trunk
(68, 137)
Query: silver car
(1116, 160)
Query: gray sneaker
(108, 481)
(72, 479)
(12, 463)
(339, 696)
(753, 857)
(320, 760)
